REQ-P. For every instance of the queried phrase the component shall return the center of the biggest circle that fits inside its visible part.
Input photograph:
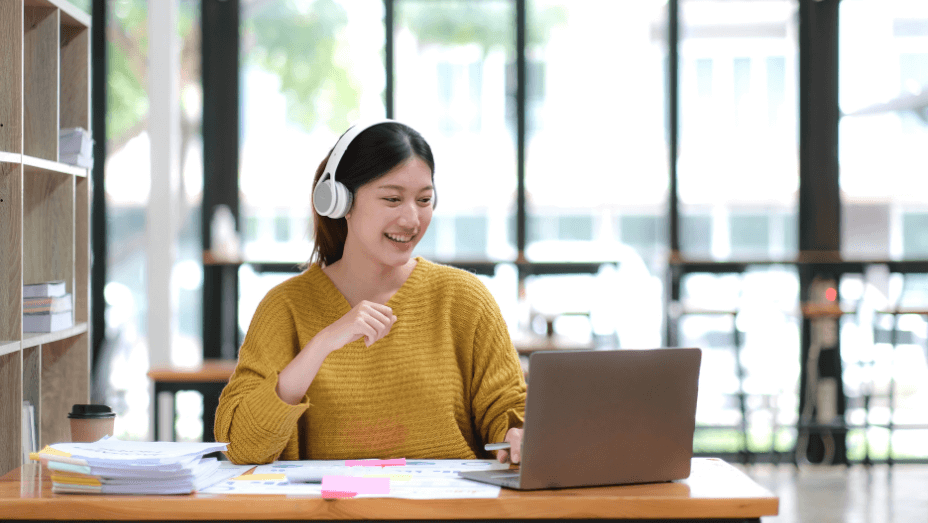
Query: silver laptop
(605, 417)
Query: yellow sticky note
(76, 480)
(261, 477)
(48, 451)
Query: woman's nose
(409, 215)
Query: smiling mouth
(402, 238)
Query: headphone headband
(331, 198)
(344, 141)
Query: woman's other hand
(514, 438)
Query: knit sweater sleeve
(258, 426)
(498, 388)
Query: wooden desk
(208, 379)
(715, 491)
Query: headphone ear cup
(434, 197)
(323, 198)
(343, 200)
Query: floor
(837, 494)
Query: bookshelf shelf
(44, 212)
(9, 347)
(38, 166)
(34, 339)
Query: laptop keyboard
(510, 479)
(505, 478)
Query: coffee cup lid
(91, 411)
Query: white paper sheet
(441, 468)
(418, 479)
(109, 450)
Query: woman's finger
(382, 327)
(369, 333)
(381, 308)
(378, 315)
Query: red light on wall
(831, 294)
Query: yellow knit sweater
(444, 381)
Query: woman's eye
(392, 200)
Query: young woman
(371, 353)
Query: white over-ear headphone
(330, 197)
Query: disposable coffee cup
(89, 423)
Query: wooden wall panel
(48, 227)
(11, 253)
(11, 401)
(65, 381)
(82, 249)
(11, 76)
(75, 78)
(32, 381)
(40, 82)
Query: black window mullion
(521, 214)
(819, 196)
(98, 198)
(388, 21)
(672, 293)
(220, 70)
(673, 118)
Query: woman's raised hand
(370, 320)
(367, 319)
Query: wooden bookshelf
(44, 214)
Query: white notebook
(47, 322)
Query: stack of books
(113, 466)
(75, 147)
(47, 307)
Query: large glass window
(738, 148)
(738, 182)
(596, 173)
(746, 325)
(127, 183)
(883, 85)
(309, 68)
(453, 83)
(596, 148)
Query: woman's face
(391, 214)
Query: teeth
(400, 239)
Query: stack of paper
(112, 466)
(47, 307)
(75, 147)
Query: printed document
(417, 479)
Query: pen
(497, 446)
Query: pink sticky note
(349, 486)
(399, 462)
